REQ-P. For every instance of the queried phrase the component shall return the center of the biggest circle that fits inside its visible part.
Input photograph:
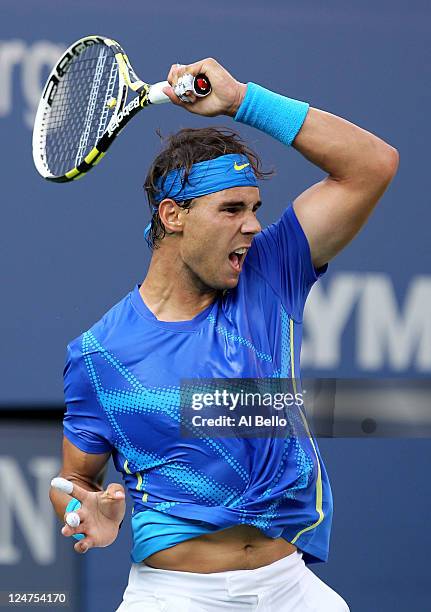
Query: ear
(171, 215)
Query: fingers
(176, 71)
(66, 486)
(68, 531)
(176, 75)
(112, 504)
(201, 67)
(173, 97)
(74, 523)
(97, 520)
(78, 518)
(72, 519)
(114, 491)
(191, 96)
(83, 545)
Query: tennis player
(218, 523)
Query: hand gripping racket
(84, 106)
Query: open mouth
(236, 258)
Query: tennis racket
(84, 106)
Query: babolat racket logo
(114, 124)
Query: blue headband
(232, 170)
(206, 177)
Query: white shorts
(286, 585)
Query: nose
(250, 224)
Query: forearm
(340, 148)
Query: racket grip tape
(199, 85)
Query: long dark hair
(183, 149)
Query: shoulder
(104, 331)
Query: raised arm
(359, 164)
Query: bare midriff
(236, 548)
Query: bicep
(86, 469)
(333, 211)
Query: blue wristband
(74, 504)
(272, 113)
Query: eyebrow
(239, 204)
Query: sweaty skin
(192, 265)
(240, 547)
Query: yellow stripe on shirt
(319, 491)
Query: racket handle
(201, 88)
(156, 95)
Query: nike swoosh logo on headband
(241, 167)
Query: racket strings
(79, 112)
(108, 97)
(91, 106)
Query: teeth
(240, 251)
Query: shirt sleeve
(85, 423)
(281, 254)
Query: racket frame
(122, 114)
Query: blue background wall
(68, 252)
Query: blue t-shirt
(122, 391)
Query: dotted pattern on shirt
(285, 370)
(166, 400)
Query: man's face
(214, 228)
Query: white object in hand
(62, 485)
(184, 84)
(72, 519)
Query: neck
(171, 291)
